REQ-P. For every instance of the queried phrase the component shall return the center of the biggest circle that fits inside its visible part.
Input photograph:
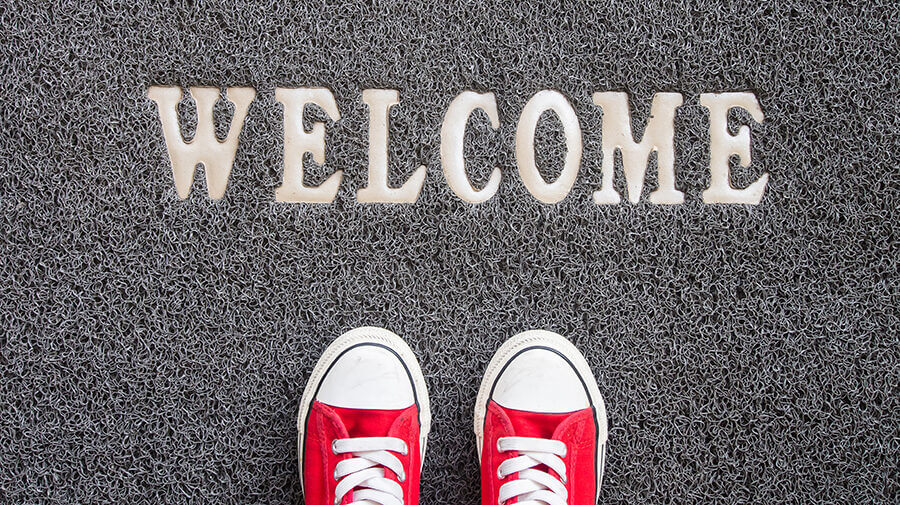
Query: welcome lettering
(617, 135)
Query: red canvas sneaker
(363, 422)
(540, 424)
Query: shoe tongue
(536, 424)
(367, 423)
(542, 425)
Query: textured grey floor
(154, 351)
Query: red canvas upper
(577, 430)
(326, 424)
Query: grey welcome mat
(154, 350)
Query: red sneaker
(540, 424)
(363, 423)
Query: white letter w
(217, 157)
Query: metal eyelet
(335, 474)
(498, 446)
(334, 447)
(500, 475)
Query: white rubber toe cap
(540, 380)
(367, 377)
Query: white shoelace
(533, 487)
(363, 474)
